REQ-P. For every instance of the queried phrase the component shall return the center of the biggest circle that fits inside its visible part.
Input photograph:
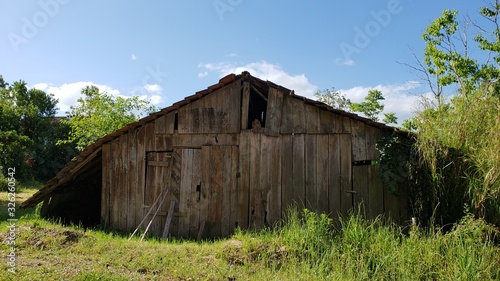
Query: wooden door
(158, 181)
(190, 193)
(218, 190)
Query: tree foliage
(465, 130)
(27, 132)
(333, 98)
(371, 107)
(99, 113)
(447, 55)
(468, 126)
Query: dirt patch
(236, 253)
(41, 238)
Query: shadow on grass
(22, 193)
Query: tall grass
(306, 246)
(373, 250)
(465, 133)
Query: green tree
(99, 113)
(462, 135)
(333, 98)
(26, 131)
(409, 124)
(372, 107)
(447, 53)
(390, 118)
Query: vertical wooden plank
(287, 116)
(115, 186)
(233, 158)
(170, 122)
(256, 196)
(274, 208)
(372, 135)
(345, 174)
(293, 118)
(151, 191)
(359, 151)
(149, 137)
(157, 186)
(346, 124)
(311, 186)
(263, 188)
(185, 192)
(360, 187)
(269, 191)
(124, 184)
(233, 108)
(132, 181)
(219, 106)
(334, 177)
(170, 214)
(312, 119)
(287, 172)
(298, 184)
(205, 192)
(245, 105)
(106, 185)
(160, 125)
(214, 177)
(299, 119)
(227, 223)
(184, 119)
(274, 111)
(244, 180)
(376, 192)
(322, 171)
(141, 175)
(174, 182)
(194, 218)
(216, 196)
(327, 122)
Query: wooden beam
(258, 92)
(169, 219)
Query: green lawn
(305, 248)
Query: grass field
(305, 247)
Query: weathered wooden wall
(221, 174)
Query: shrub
(466, 134)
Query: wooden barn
(237, 154)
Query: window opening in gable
(257, 108)
(176, 121)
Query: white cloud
(133, 57)
(153, 88)
(345, 62)
(156, 99)
(202, 74)
(264, 70)
(398, 97)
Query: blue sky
(166, 50)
